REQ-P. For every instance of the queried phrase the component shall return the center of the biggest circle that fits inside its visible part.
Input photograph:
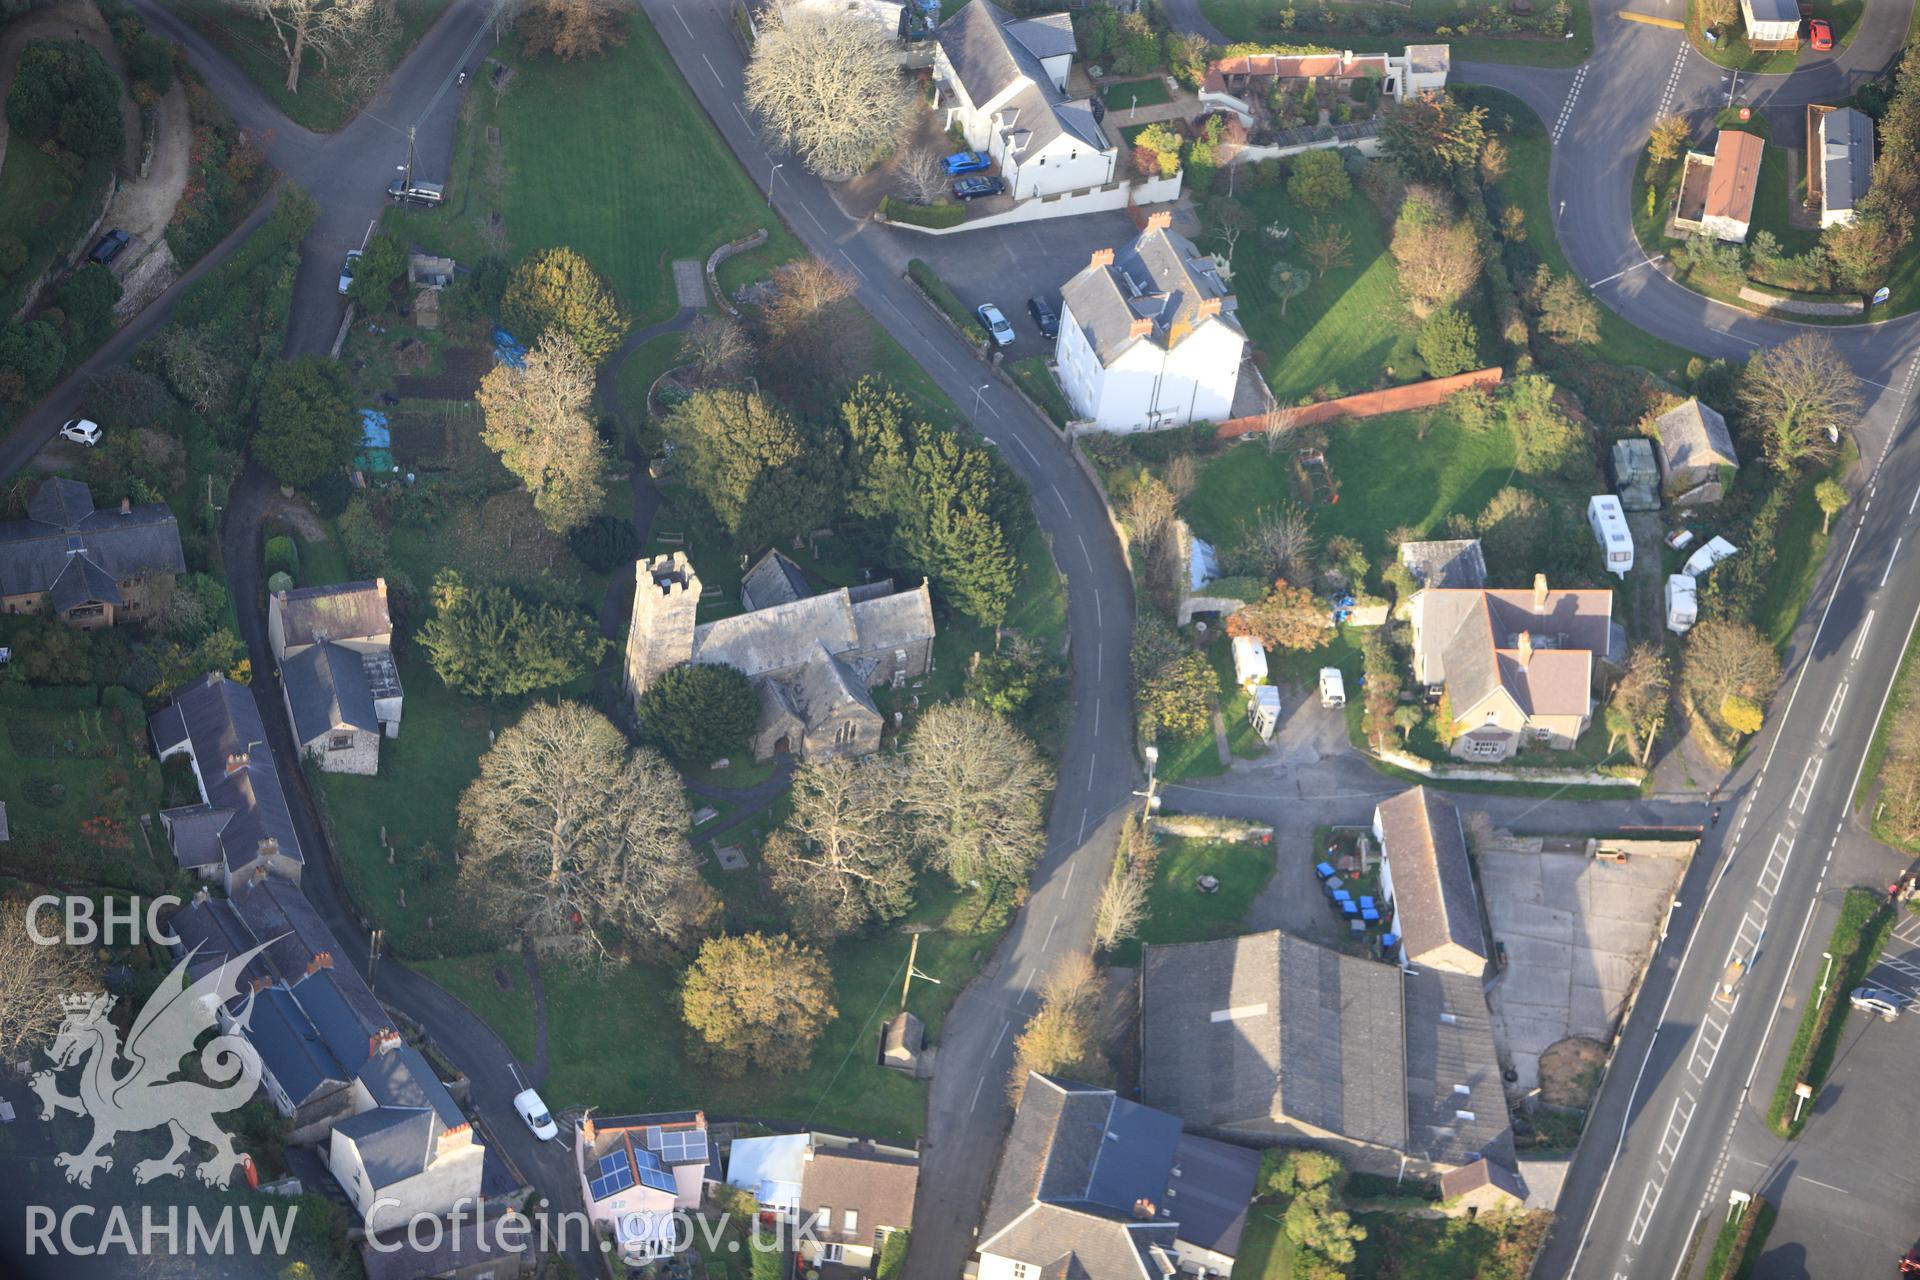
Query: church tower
(666, 594)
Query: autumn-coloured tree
(559, 289)
(1063, 1036)
(1668, 139)
(535, 418)
(1437, 254)
(1832, 496)
(1289, 618)
(571, 29)
(757, 1001)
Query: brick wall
(1371, 404)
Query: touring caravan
(1609, 524)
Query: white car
(346, 271)
(1877, 1001)
(534, 1112)
(82, 431)
(995, 324)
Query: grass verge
(1737, 1248)
(1859, 934)
(1899, 699)
(1037, 381)
(1176, 909)
(1801, 543)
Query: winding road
(1666, 1137)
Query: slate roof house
(1270, 1038)
(1482, 1187)
(314, 1022)
(1002, 82)
(636, 1171)
(1846, 163)
(1450, 562)
(1696, 450)
(1148, 337)
(1096, 1187)
(1426, 877)
(334, 647)
(407, 1150)
(242, 823)
(91, 568)
(812, 658)
(1517, 667)
(856, 1194)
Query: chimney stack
(1539, 593)
(588, 1130)
(1101, 258)
(1140, 328)
(1206, 307)
(1144, 1210)
(269, 847)
(1160, 220)
(235, 763)
(1526, 647)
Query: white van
(1333, 687)
(1609, 524)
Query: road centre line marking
(1890, 559)
(683, 22)
(1096, 722)
(1833, 710)
(1914, 503)
(1084, 554)
(1776, 865)
(1057, 498)
(716, 75)
(1023, 448)
(1092, 760)
(1023, 987)
(816, 219)
(976, 1095)
(1803, 793)
(1866, 626)
(1069, 884)
(1044, 945)
(997, 1039)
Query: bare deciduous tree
(363, 62)
(1726, 658)
(1279, 544)
(842, 860)
(577, 840)
(1064, 1033)
(1326, 245)
(1148, 510)
(1181, 475)
(1231, 220)
(718, 348)
(805, 339)
(324, 27)
(825, 85)
(1793, 393)
(1641, 698)
(1437, 254)
(536, 420)
(33, 978)
(1121, 911)
(974, 790)
(1276, 423)
(923, 176)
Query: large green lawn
(610, 156)
(652, 1069)
(1348, 327)
(1124, 95)
(1241, 20)
(324, 101)
(60, 769)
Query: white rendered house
(1003, 83)
(1148, 337)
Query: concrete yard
(1578, 931)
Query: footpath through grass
(325, 101)
(1866, 920)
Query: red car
(1820, 35)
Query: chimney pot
(1539, 593)
(1207, 307)
(1140, 328)
(236, 762)
(1101, 258)
(1160, 220)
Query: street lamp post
(979, 393)
(1828, 957)
(773, 175)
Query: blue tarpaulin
(374, 433)
(508, 350)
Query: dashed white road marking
(1803, 792)
(1861, 643)
(1045, 943)
(976, 1095)
(683, 22)
(1566, 108)
(716, 75)
(1642, 1216)
(1770, 875)
(1896, 552)
(1832, 719)
(1673, 79)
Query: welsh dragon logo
(144, 1094)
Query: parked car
(418, 193)
(967, 162)
(995, 324)
(534, 1112)
(82, 431)
(108, 247)
(1043, 316)
(1878, 1001)
(346, 271)
(974, 188)
(1820, 35)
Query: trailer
(1609, 525)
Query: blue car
(974, 188)
(967, 162)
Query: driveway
(1008, 265)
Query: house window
(844, 735)
(850, 1221)
(832, 1253)
(823, 1220)
(1542, 735)
(1023, 1271)
(340, 742)
(1483, 747)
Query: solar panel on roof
(616, 1175)
(654, 1174)
(683, 1146)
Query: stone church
(812, 658)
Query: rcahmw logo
(84, 1231)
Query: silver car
(995, 324)
(1878, 1001)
